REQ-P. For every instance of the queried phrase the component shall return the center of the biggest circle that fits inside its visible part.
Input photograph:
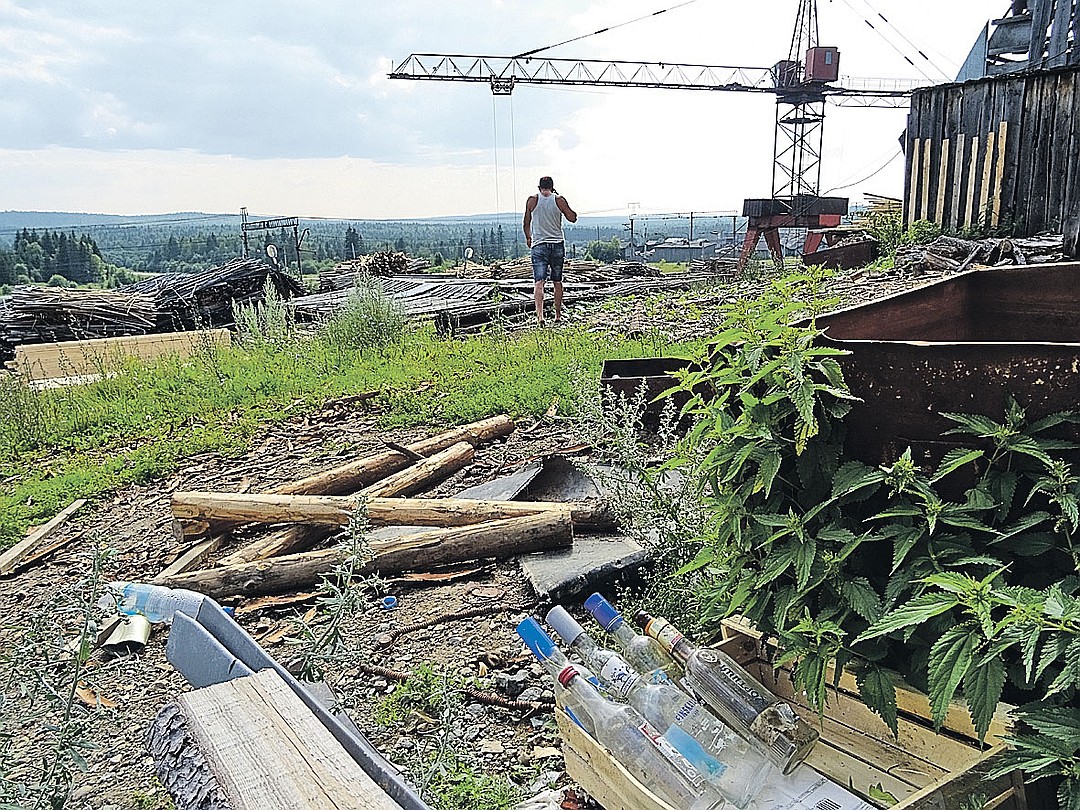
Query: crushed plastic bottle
(156, 602)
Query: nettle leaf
(805, 553)
(1061, 723)
(982, 691)
(954, 460)
(915, 612)
(903, 542)
(1059, 605)
(950, 659)
(862, 598)
(1068, 794)
(778, 561)
(1069, 676)
(877, 687)
(855, 476)
(768, 467)
(973, 424)
(1053, 420)
(1053, 649)
(1023, 524)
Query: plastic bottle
(642, 653)
(733, 765)
(155, 602)
(729, 690)
(639, 748)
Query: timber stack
(344, 275)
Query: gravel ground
(136, 524)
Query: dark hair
(547, 182)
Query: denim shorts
(547, 261)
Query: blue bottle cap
(604, 612)
(389, 602)
(538, 641)
(564, 624)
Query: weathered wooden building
(1002, 149)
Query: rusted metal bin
(959, 345)
(654, 374)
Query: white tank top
(546, 220)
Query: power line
(603, 30)
(893, 45)
(870, 176)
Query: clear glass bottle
(729, 690)
(642, 653)
(734, 766)
(553, 661)
(639, 748)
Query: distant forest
(110, 250)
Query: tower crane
(802, 83)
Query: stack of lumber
(947, 254)
(206, 299)
(344, 274)
(52, 314)
(379, 489)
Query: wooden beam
(1003, 131)
(14, 556)
(511, 537)
(264, 747)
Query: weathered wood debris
(947, 254)
(344, 274)
(429, 532)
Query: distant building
(679, 250)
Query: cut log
(256, 746)
(405, 482)
(338, 510)
(549, 529)
(365, 471)
(24, 549)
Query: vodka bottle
(729, 690)
(730, 763)
(155, 602)
(639, 748)
(553, 660)
(642, 653)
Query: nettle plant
(962, 579)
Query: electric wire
(919, 50)
(870, 176)
(603, 30)
(890, 43)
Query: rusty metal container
(654, 374)
(959, 345)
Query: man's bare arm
(526, 221)
(568, 212)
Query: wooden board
(46, 361)
(33, 544)
(267, 750)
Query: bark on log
(549, 529)
(412, 479)
(180, 764)
(362, 472)
(338, 510)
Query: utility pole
(243, 229)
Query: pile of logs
(53, 314)
(385, 263)
(205, 299)
(376, 488)
(716, 266)
(947, 254)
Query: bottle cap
(538, 642)
(389, 602)
(567, 675)
(564, 624)
(604, 612)
(641, 618)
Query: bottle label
(618, 676)
(672, 754)
(666, 634)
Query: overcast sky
(130, 107)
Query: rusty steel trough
(960, 345)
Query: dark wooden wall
(996, 151)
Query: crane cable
(918, 50)
(603, 30)
(892, 45)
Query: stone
(590, 564)
(512, 685)
(491, 747)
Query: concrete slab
(591, 564)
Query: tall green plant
(961, 577)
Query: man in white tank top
(542, 224)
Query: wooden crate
(922, 769)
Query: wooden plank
(1001, 792)
(911, 170)
(1057, 205)
(1059, 34)
(1040, 21)
(924, 180)
(1074, 54)
(986, 206)
(957, 182)
(971, 210)
(42, 361)
(999, 173)
(195, 556)
(14, 556)
(268, 750)
(605, 779)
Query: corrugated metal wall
(997, 151)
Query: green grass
(142, 422)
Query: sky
(134, 107)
